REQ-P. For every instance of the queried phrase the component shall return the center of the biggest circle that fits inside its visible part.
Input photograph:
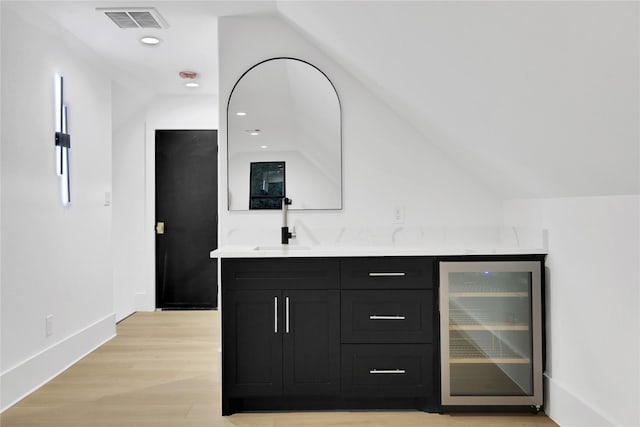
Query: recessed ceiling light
(241, 113)
(150, 40)
(254, 133)
(264, 146)
(192, 84)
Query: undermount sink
(281, 248)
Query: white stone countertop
(284, 251)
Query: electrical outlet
(49, 325)
(398, 215)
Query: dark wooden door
(252, 342)
(186, 219)
(311, 343)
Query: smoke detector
(188, 74)
(191, 76)
(135, 17)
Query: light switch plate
(398, 215)
(49, 325)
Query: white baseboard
(23, 379)
(569, 410)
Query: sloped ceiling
(538, 99)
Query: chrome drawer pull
(389, 274)
(376, 317)
(275, 315)
(387, 371)
(287, 315)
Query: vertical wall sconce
(63, 142)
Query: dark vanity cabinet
(387, 319)
(328, 333)
(281, 332)
(415, 332)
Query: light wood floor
(163, 369)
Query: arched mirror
(284, 138)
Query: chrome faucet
(286, 234)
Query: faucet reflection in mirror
(296, 109)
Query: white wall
(134, 190)
(55, 261)
(386, 162)
(1, 405)
(128, 205)
(593, 306)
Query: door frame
(145, 293)
(157, 244)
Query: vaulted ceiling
(539, 99)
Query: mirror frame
(340, 131)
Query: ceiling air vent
(135, 17)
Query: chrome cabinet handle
(275, 315)
(377, 317)
(387, 274)
(286, 314)
(387, 371)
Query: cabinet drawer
(387, 316)
(394, 370)
(280, 273)
(387, 272)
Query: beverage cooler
(491, 333)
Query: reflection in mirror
(267, 185)
(285, 110)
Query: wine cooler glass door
(491, 333)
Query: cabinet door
(311, 343)
(252, 343)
